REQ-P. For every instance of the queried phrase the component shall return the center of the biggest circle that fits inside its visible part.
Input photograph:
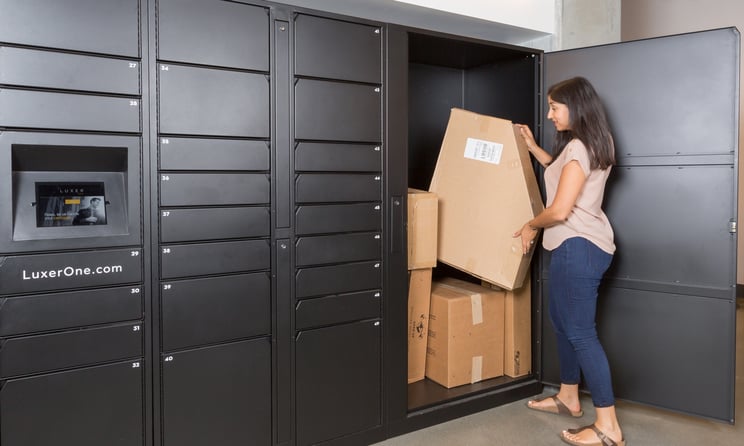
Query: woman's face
(558, 113)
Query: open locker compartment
(436, 73)
(673, 106)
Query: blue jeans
(576, 269)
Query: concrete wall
(587, 23)
(653, 18)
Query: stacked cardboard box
(422, 257)
(466, 333)
(517, 329)
(487, 190)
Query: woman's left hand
(528, 235)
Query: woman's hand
(542, 157)
(528, 235)
(529, 138)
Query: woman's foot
(554, 404)
(593, 435)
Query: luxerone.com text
(70, 271)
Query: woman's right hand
(542, 157)
(529, 138)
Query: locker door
(338, 381)
(672, 198)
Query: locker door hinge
(732, 226)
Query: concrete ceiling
(390, 11)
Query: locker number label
(135, 365)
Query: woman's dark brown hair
(588, 121)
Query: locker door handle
(396, 224)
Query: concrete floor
(515, 425)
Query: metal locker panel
(697, 72)
(654, 234)
(36, 109)
(337, 50)
(46, 272)
(326, 280)
(46, 312)
(218, 395)
(214, 258)
(318, 188)
(686, 271)
(94, 406)
(676, 321)
(231, 103)
(213, 154)
(219, 309)
(339, 248)
(209, 189)
(98, 26)
(47, 69)
(182, 225)
(338, 157)
(331, 364)
(337, 111)
(338, 309)
(208, 33)
(320, 219)
(49, 352)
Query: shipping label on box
(466, 333)
(419, 294)
(422, 229)
(487, 190)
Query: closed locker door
(338, 381)
(669, 296)
(93, 406)
(218, 395)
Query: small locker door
(667, 312)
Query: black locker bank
(202, 219)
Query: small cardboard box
(517, 330)
(487, 190)
(419, 294)
(466, 333)
(422, 229)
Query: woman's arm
(569, 187)
(542, 157)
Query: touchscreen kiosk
(70, 204)
(69, 191)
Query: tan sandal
(604, 440)
(558, 409)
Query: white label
(476, 369)
(476, 307)
(481, 150)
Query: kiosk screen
(70, 204)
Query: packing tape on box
(476, 302)
(476, 369)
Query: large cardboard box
(517, 330)
(466, 333)
(422, 229)
(487, 190)
(419, 294)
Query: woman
(580, 237)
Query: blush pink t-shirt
(587, 219)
